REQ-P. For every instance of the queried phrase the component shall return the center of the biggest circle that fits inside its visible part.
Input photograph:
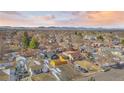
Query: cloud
(105, 18)
(98, 18)
(43, 18)
(75, 18)
(13, 19)
(19, 19)
(101, 18)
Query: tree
(100, 38)
(76, 33)
(33, 43)
(25, 40)
(122, 42)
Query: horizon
(62, 27)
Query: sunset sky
(63, 18)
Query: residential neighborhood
(60, 55)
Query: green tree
(33, 43)
(122, 41)
(25, 40)
(76, 33)
(100, 38)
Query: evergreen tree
(33, 43)
(25, 40)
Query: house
(21, 60)
(55, 63)
(94, 56)
(116, 52)
(73, 55)
(58, 50)
(55, 59)
(81, 69)
(83, 48)
(21, 70)
(45, 68)
(90, 37)
(51, 55)
(59, 60)
(96, 45)
(86, 48)
(37, 62)
(116, 41)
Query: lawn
(1, 61)
(43, 77)
(88, 65)
(3, 76)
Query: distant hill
(9, 28)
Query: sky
(62, 18)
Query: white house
(90, 37)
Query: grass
(35, 67)
(88, 65)
(43, 77)
(1, 61)
(3, 76)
